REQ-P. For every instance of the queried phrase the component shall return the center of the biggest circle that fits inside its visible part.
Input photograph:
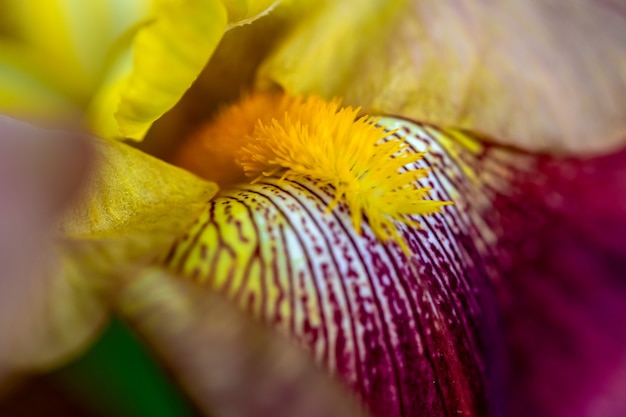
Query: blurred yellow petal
(124, 62)
(320, 54)
(529, 73)
(38, 330)
(25, 88)
(55, 291)
(131, 193)
(75, 35)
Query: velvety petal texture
(524, 72)
(487, 314)
(564, 299)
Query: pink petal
(40, 170)
(565, 297)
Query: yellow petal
(24, 87)
(100, 113)
(230, 71)
(169, 53)
(131, 193)
(39, 331)
(320, 53)
(75, 35)
(542, 77)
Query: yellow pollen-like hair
(271, 135)
(320, 141)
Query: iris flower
(447, 240)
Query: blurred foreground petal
(540, 75)
(229, 365)
(45, 313)
(56, 290)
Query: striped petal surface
(409, 333)
(473, 320)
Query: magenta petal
(412, 336)
(565, 299)
(488, 317)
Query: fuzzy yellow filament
(318, 140)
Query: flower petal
(510, 304)
(39, 170)
(242, 12)
(228, 364)
(230, 71)
(564, 299)
(55, 292)
(25, 89)
(131, 193)
(181, 37)
(412, 335)
(76, 36)
(521, 72)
